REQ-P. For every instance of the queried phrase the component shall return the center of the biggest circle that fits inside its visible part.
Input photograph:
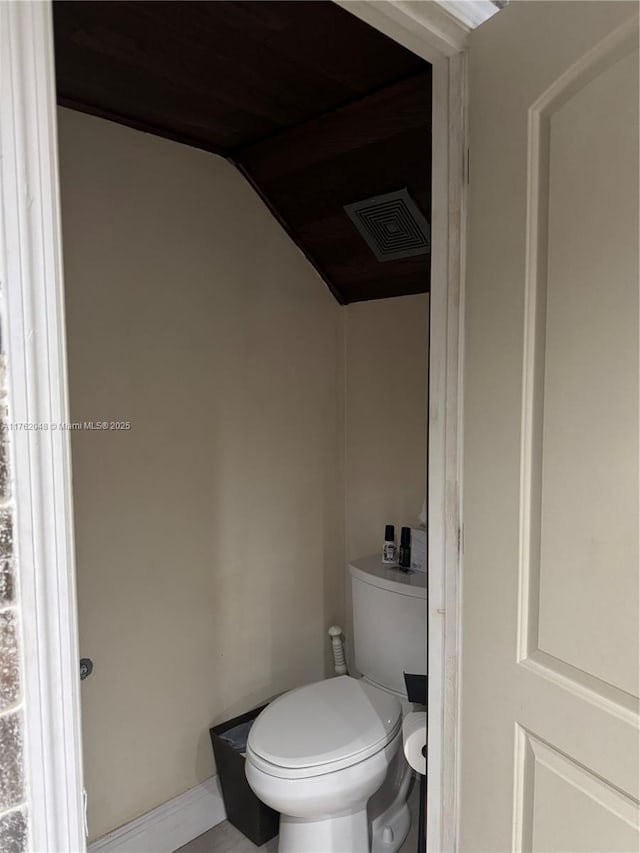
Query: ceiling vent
(392, 225)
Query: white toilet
(328, 756)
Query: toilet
(328, 756)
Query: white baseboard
(171, 825)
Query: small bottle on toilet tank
(389, 545)
(404, 554)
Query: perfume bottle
(389, 545)
(404, 554)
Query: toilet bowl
(328, 756)
(318, 754)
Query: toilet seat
(323, 727)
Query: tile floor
(225, 838)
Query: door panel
(549, 727)
(565, 807)
(580, 481)
(589, 495)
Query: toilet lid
(336, 722)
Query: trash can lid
(324, 726)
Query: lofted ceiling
(317, 109)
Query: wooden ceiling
(317, 109)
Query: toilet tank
(389, 622)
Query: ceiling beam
(377, 116)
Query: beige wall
(209, 537)
(386, 418)
(386, 357)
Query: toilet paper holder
(416, 688)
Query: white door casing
(438, 32)
(432, 29)
(31, 272)
(549, 726)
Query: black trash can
(244, 810)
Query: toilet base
(348, 833)
(379, 827)
(389, 835)
(388, 811)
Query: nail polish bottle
(404, 553)
(389, 545)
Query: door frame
(438, 32)
(35, 345)
(445, 451)
(31, 266)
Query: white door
(549, 725)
